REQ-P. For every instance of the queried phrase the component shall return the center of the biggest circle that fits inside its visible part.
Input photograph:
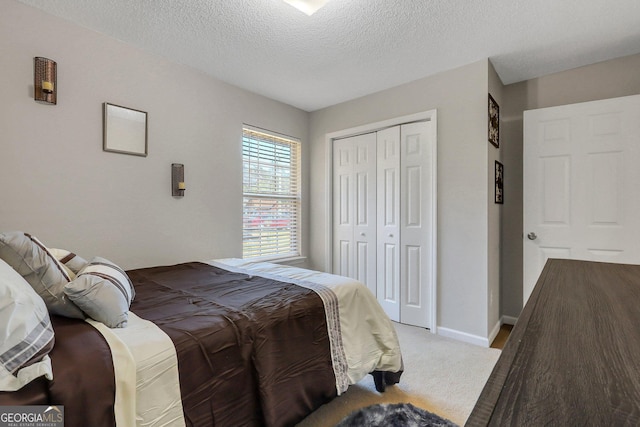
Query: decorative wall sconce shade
(177, 180)
(45, 87)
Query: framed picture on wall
(124, 130)
(494, 122)
(499, 197)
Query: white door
(417, 224)
(354, 208)
(388, 184)
(581, 184)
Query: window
(271, 195)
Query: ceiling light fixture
(307, 6)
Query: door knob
(390, 235)
(362, 234)
(532, 236)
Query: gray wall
(496, 89)
(460, 97)
(609, 79)
(58, 184)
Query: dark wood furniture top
(573, 357)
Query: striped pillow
(26, 331)
(70, 260)
(46, 275)
(103, 291)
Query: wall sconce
(45, 80)
(177, 180)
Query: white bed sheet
(146, 370)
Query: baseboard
(475, 339)
(508, 320)
(494, 332)
(463, 336)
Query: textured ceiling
(351, 48)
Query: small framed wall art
(494, 122)
(124, 130)
(499, 196)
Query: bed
(225, 342)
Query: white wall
(609, 79)
(58, 184)
(460, 97)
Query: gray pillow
(26, 331)
(31, 259)
(72, 261)
(103, 291)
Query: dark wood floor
(502, 336)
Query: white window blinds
(271, 195)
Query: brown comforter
(251, 351)
(83, 378)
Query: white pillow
(103, 291)
(26, 331)
(46, 275)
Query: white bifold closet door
(382, 204)
(354, 207)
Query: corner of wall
(494, 210)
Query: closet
(384, 216)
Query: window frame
(279, 198)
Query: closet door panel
(362, 261)
(343, 206)
(415, 227)
(413, 195)
(388, 230)
(344, 257)
(364, 229)
(414, 276)
(390, 273)
(354, 208)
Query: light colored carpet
(441, 375)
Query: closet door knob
(362, 234)
(390, 235)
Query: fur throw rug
(394, 415)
